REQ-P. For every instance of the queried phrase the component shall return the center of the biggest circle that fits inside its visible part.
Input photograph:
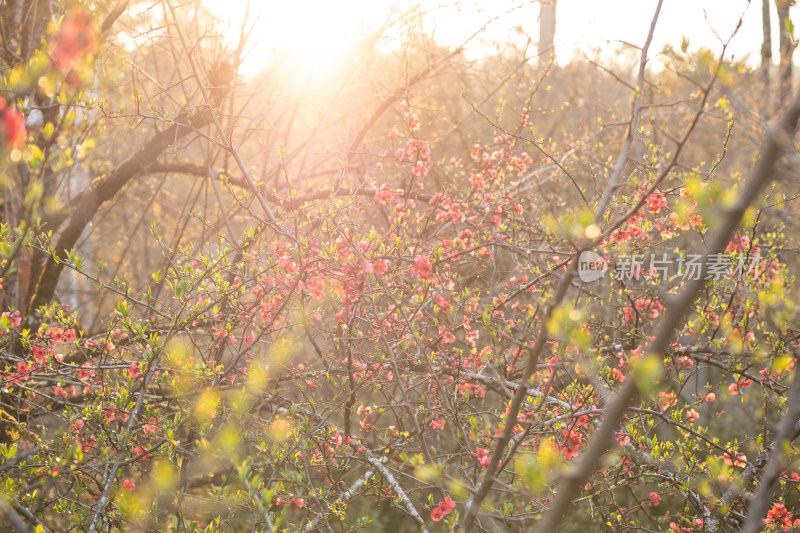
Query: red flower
(14, 133)
(128, 484)
(779, 514)
(133, 371)
(380, 266)
(654, 499)
(482, 456)
(437, 425)
(628, 314)
(437, 515)
(447, 505)
(734, 459)
(87, 372)
(656, 202)
(572, 443)
(76, 40)
(447, 337)
(443, 304)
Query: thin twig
(777, 463)
(778, 139)
(616, 175)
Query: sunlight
(411, 261)
(310, 37)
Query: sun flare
(311, 37)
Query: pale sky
(590, 23)
(316, 32)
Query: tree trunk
(787, 46)
(547, 31)
(766, 53)
(103, 189)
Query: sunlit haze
(313, 36)
(310, 35)
(399, 265)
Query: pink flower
(691, 415)
(733, 389)
(443, 303)
(476, 151)
(654, 499)
(56, 334)
(734, 459)
(423, 268)
(437, 425)
(128, 484)
(482, 456)
(656, 202)
(447, 337)
(380, 266)
(384, 196)
(437, 515)
(86, 372)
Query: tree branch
(777, 463)
(636, 108)
(778, 139)
(103, 189)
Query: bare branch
(778, 139)
(616, 175)
(777, 463)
